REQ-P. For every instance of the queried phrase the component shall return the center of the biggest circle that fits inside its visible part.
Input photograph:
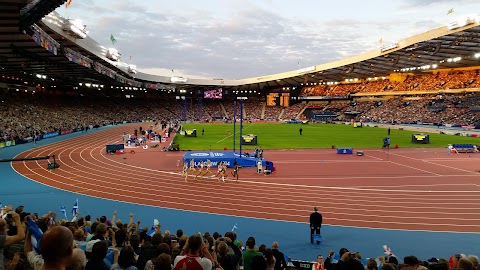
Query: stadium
(88, 139)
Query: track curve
(436, 194)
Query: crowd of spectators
(454, 79)
(22, 118)
(293, 111)
(440, 109)
(213, 109)
(272, 113)
(44, 242)
(253, 108)
(453, 110)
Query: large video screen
(213, 93)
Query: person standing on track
(315, 223)
(300, 131)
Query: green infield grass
(286, 136)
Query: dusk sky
(235, 39)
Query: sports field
(286, 136)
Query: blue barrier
(50, 135)
(344, 151)
(227, 156)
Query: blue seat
(317, 239)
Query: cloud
(243, 38)
(432, 2)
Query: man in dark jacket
(315, 223)
(280, 263)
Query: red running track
(407, 189)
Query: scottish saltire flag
(64, 211)
(151, 232)
(36, 234)
(75, 208)
(234, 227)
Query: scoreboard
(278, 99)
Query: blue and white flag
(151, 232)
(36, 234)
(75, 208)
(234, 227)
(64, 211)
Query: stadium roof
(452, 46)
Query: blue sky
(235, 39)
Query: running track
(406, 189)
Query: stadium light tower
(241, 121)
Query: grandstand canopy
(21, 56)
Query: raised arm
(10, 240)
